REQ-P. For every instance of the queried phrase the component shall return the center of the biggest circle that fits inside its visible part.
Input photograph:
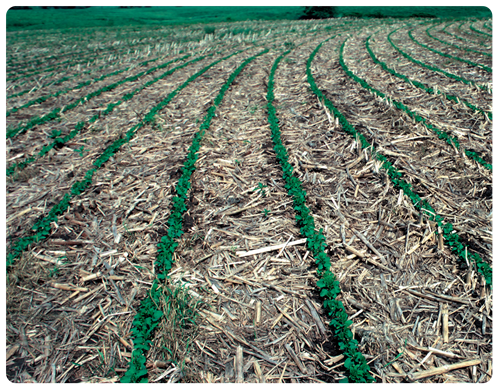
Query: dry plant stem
(271, 248)
(442, 369)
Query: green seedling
(260, 187)
(398, 356)
(54, 271)
(55, 134)
(81, 151)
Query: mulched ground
(71, 299)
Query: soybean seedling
(55, 134)
(81, 151)
(260, 187)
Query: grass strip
(422, 86)
(453, 240)
(452, 141)
(355, 364)
(149, 314)
(433, 68)
(453, 45)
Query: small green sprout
(54, 271)
(55, 134)
(261, 187)
(81, 151)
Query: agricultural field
(286, 201)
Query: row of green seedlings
(81, 85)
(42, 228)
(475, 36)
(56, 112)
(58, 141)
(462, 38)
(15, 75)
(475, 64)
(418, 84)
(485, 25)
(69, 89)
(50, 82)
(65, 65)
(459, 28)
(56, 82)
(434, 68)
(149, 313)
(41, 71)
(450, 140)
(40, 59)
(66, 78)
(471, 26)
(451, 238)
(357, 370)
(43, 59)
(105, 53)
(102, 54)
(459, 47)
(77, 74)
(91, 58)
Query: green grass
(37, 18)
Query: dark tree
(318, 13)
